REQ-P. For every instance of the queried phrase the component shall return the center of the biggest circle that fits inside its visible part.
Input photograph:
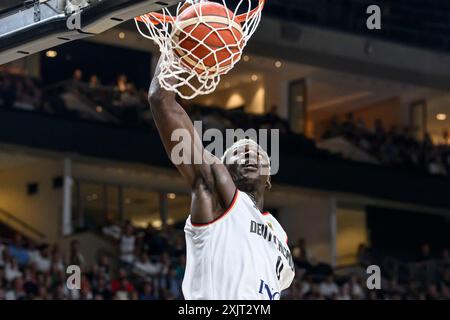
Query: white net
(200, 42)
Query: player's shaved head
(242, 144)
(248, 164)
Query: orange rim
(157, 18)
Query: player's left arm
(206, 174)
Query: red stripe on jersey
(222, 215)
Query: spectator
(147, 292)
(363, 256)
(42, 260)
(378, 129)
(433, 293)
(77, 76)
(12, 270)
(344, 293)
(76, 257)
(425, 253)
(57, 260)
(348, 125)
(304, 251)
(144, 267)
(165, 264)
(27, 95)
(111, 229)
(356, 288)
(301, 255)
(60, 292)
(329, 288)
(121, 84)
(102, 289)
(94, 82)
(30, 283)
(104, 266)
(17, 250)
(2, 254)
(170, 285)
(122, 289)
(436, 166)
(3, 282)
(445, 258)
(127, 245)
(16, 291)
(314, 293)
(306, 285)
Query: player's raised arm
(170, 116)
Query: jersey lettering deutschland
(241, 255)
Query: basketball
(208, 39)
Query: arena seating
(154, 270)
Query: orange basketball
(208, 37)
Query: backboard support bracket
(40, 25)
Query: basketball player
(235, 250)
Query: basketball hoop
(201, 42)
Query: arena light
(121, 35)
(51, 54)
(171, 196)
(157, 224)
(441, 117)
(246, 58)
(254, 78)
(278, 64)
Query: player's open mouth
(251, 166)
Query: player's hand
(184, 7)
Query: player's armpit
(202, 213)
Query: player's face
(248, 168)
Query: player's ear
(269, 183)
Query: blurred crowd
(394, 147)
(427, 277)
(130, 105)
(149, 265)
(86, 97)
(19, 91)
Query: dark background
(107, 62)
(401, 233)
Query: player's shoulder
(276, 225)
(276, 222)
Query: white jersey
(241, 255)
